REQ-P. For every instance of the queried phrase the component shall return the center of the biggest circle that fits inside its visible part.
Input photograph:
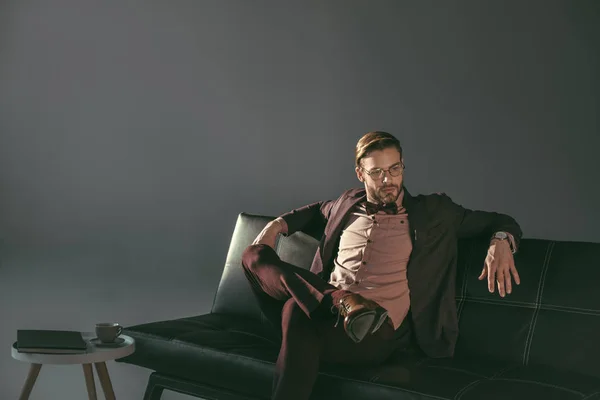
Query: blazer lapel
(343, 210)
(333, 229)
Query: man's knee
(257, 254)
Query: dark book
(49, 341)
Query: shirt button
(369, 241)
(402, 221)
(364, 262)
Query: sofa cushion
(234, 295)
(239, 354)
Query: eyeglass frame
(383, 171)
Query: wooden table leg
(107, 387)
(88, 372)
(34, 371)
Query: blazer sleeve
(471, 223)
(309, 219)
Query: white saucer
(118, 341)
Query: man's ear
(359, 174)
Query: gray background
(132, 134)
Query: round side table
(97, 355)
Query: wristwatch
(504, 236)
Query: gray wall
(132, 135)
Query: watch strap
(510, 239)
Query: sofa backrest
(552, 318)
(234, 295)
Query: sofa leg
(153, 390)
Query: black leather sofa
(541, 342)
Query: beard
(380, 195)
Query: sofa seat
(222, 350)
(238, 355)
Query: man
(386, 265)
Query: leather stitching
(502, 371)
(462, 391)
(589, 396)
(540, 384)
(550, 307)
(577, 310)
(463, 371)
(536, 311)
(501, 302)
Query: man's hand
(269, 233)
(499, 265)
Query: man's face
(385, 189)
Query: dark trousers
(300, 302)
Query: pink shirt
(372, 259)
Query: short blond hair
(375, 140)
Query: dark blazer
(436, 224)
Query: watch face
(501, 235)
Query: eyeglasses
(379, 173)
